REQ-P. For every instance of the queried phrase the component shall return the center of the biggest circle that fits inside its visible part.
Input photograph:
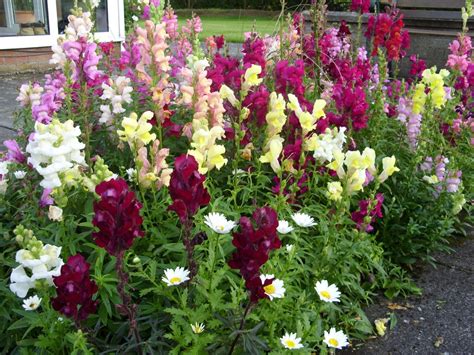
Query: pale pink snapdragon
(79, 26)
(159, 47)
(193, 25)
(118, 93)
(51, 99)
(440, 169)
(459, 58)
(30, 94)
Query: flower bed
(170, 198)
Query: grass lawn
(233, 28)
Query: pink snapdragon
(171, 21)
(14, 153)
(30, 94)
(52, 98)
(362, 6)
(410, 119)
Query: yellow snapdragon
(334, 191)
(136, 131)
(207, 153)
(273, 150)
(276, 117)
(389, 168)
(251, 78)
(227, 94)
(307, 119)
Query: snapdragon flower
(324, 145)
(272, 152)
(117, 92)
(307, 119)
(251, 78)
(136, 131)
(30, 94)
(41, 261)
(207, 153)
(54, 149)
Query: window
(37, 23)
(23, 18)
(101, 16)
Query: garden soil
(441, 321)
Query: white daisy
(303, 220)
(31, 303)
(326, 292)
(198, 328)
(176, 276)
(335, 339)
(289, 248)
(20, 174)
(290, 341)
(274, 290)
(218, 223)
(284, 227)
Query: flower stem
(188, 225)
(127, 307)
(242, 323)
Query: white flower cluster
(118, 93)
(54, 149)
(3, 180)
(324, 145)
(42, 264)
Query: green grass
(233, 28)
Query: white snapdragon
(324, 145)
(117, 92)
(54, 149)
(41, 264)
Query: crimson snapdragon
(253, 249)
(75, 290)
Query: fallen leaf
(396, 306)
(438, 342)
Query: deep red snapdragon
(253, 248)
(376, 212)
(187, 188)
(117, 216)
(75, 290)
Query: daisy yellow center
(221, 228)
(175, 280)
(333, 342)
(270, 290)
(33, 305)
(325, 294)
(290, 343)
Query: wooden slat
(431, 4)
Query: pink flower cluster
(52, 98)
(410, 119)
(362, 6)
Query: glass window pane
(23, 18)
(101, 16)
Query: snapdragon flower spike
(253, 249)
(75, 289)
(187, 188)
(117, 215)
(359, 216)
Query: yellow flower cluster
(276, 119)
(353, 167)
(207, 153)
(136, 131)
(435, 82)
(307, 120)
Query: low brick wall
(21, 60)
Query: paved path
(9, 85)
(441, 321)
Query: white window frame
(116, 33)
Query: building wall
(21, 60)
